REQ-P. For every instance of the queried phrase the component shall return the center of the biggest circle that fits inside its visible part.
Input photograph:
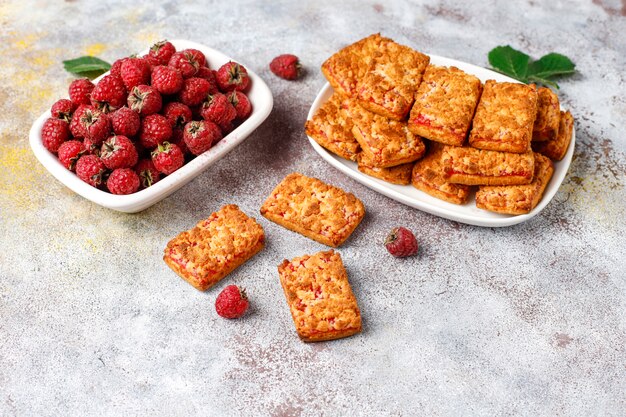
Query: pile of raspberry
(146, 118)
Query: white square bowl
(262, 102)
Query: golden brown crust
(214, 247)
(504, 117)
(444, 105)
(391, 80)
(428, 176)
(387, 142)
(314, 209)
(472, 166)
(517, 199)
(557, 148)
(332, 129)
(346, 67)
(399, 174)
(319, 296)
(548, 115)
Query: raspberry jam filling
(504, 174)
(424, 121)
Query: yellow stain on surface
(95, 49)
(20, 174)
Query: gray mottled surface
(526, 320)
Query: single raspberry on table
(134, 72)
(187, 61)
(123, 181)
(286, 66)
(241, 104)
(155, 129)
(125, 122)
(218, 109)
(109, 94)
(118, 152)
(53, 133)
(63, 109)
(194, 91)
(145, 100)
(199, 136)
(166, 80)
(91, 169)
(97, 125)
(401, 242)
(162, 51)
(69, 152)
(177, 114)
(232, 302)
(148, 174)
(80, 91)
(167, 158)
(232, 76)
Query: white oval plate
(409, 195)
(262, 102)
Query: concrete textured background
(527, 320)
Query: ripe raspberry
(152, 61)
(194, 91)
(76, 126)
(80, 91)
(91, 147)
(286, 66)
(232, 302)
(109, 94)
(241, 104)
(218, 109)
(90, 169)
(155, 129)
(178, 139)
(123, 181)
(118, 152)
(166, 80)
(187, 61)
(96, 124)
(125, 122)
(134, 72)
(167, 158)
(148, 174)
(69, 152)
(63, 109)
(232, 76)
(162, 51)
(200, 136)
(116, 68)
(177, 114)
(401, 242)
(53, 133)
(209, 75)
(144, 100)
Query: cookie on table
(319, 296)
(444, 105)
(346, 67)
(504, 117)
(314, 209)
(546, 124)
(517, 199)
(471, 166)
(427, 176)
(331, 128)
(399, 174)
(387, 142)
(391, 80)
(556, 148)
(216, 246)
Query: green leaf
(551, 65)
(89, 66)
(510, 62)
(539, 80)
